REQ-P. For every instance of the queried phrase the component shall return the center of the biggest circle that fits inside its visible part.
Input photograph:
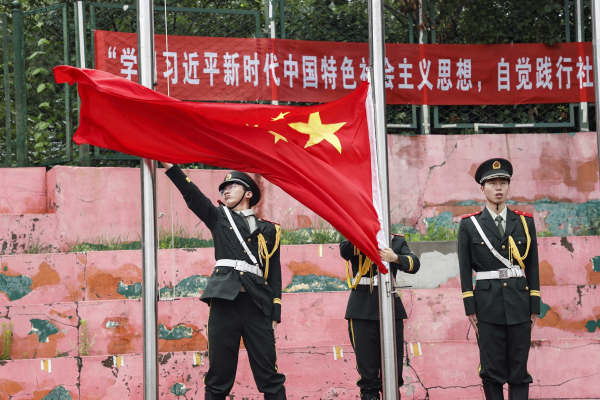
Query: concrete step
(30, 233)
(111, 275)
(444, 370)
(23, 191)
(308, 319)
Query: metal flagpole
(584, 120)
(84, 149)
(389, 367)
(270, 27)
(596, 47)
(145, 20)
(426, 123)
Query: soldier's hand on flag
(388, 255)
(166, 165)
(473, 321)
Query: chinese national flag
(324, 155)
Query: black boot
(277, 396)
(493, 391)
(518, 392)
(211, 396)
(370, 397)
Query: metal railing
(518, 26)
(5, 116)
(195, 22)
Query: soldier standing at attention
(244, 290)
(500, 246)
(362, 312)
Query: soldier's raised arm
(196, 201)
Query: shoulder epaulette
(471, 215)
(266, 220)
(523, 213)
(396, 234)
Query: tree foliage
(453, 21)
(496, 22)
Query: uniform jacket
(362, 303)
(225, 282)
(498, 301)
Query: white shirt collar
(246, 213)
(494, 215)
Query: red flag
(324, 155)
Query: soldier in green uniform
(244, 290)
(362, 311)
(500, 245)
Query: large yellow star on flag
(319, 131)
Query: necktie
(251, 223)
(500, 228)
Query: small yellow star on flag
(278, 136)
(280, 116)
(319, 131)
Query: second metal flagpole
(145, 19)
(389, 366)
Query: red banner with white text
(234, 69)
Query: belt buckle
(503, 273)
(240, 265)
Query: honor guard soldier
(244, 290)
(500, 246)
(362, 312)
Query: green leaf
(45, 105)
(38, 135)
(35, 54)
(41, 87)
(38, 70)
(43, 41)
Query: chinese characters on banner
(234, 69)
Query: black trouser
(365, 338)
(228, 321)
(503, 353)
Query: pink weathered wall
(68, 288)
(47, 296)
(429, 175)
(23, 190)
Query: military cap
(493, 168)
(244, 180)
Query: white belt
(367, 281)
(240, 266)
(503, 273)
